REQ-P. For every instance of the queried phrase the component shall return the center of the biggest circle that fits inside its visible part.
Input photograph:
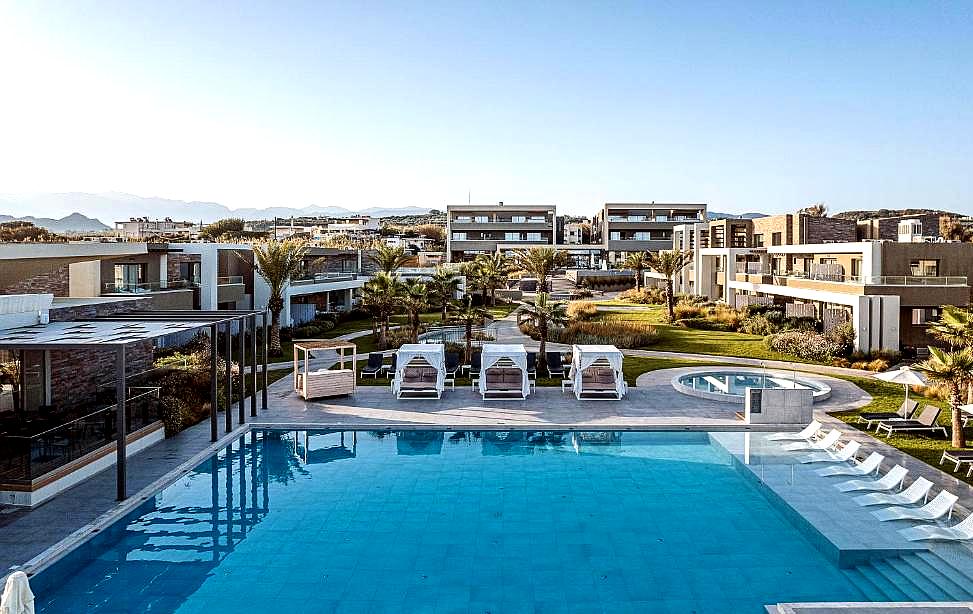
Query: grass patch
(888, 397)
(679, 339)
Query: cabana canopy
(411, 355)
(597, 369)
(493, 353)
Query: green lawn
(690, 340)
(888, 397)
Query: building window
(459, 236)
(923, 316)
(462, 219)
(615, 236)
(481, 219)
(856, 267)
(776, 238)
(129, 276)
(534, 236)
(519, 219)
(924, 268)
(189, 271)
(643, 236)
(758, 240)
(511, 236)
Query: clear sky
(747, 106)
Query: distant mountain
(73, 223)
(114, 206)
(877, 213)
(715, 215)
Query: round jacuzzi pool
(730, 385)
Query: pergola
(121, 330)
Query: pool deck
(33, 537)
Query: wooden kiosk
(324, 382)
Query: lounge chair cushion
(504, 378)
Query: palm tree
(277, 262)
(443, 286)
(415, 300)
(539, 262)
(955, 328)
(818, 209)
(473, 272)
(389, 259)
(954, 370)
(952, 229)
(381, 296)
(668, 263)
(492, 273)
(469, 316)
(638, 262)
(545, 313)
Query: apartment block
(888, 228)
(144, 229)
(476, 229)
(630, 227)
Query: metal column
(263, 399)
(253, 366)
(214, 391)
(120, 424)
(228, 384)
(242, 359)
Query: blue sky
(746, 106)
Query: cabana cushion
(504, 378)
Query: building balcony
(322, 278)
(114, 287)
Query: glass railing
(321, 278)
(115, 287)
(26, 456)
(867, 280)
(229, 279)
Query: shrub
(645, 296)
(728, 317)
(622, 334)
(581, 310)
(692, 299)
(810, 345)
(702, 323)
(583, 292)
(878, 364)
(759, 324)
(687, 310)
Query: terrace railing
(26, 457)
(144, 287)
(229, 279)
(320, 278)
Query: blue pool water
(451, 522)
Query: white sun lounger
(941, 506)
(824, 443)
(869, 465)
(843, 455)
(892, 479)
(961, 530)
(807, 432)
(916, 492)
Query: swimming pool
(427, 521)
(731, 385)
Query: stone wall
(57, 282)
(95, 309)
(175, 259)
(810, 229)
(77, 376)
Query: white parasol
(17, 597)
(903, 375)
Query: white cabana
(596, 371)
(420, 369)
(503, 370)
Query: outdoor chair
(807, 433)
(390, 371)
(554, 364)
(926, 422)
(375, 365)
(476, 361)
(825, 443)
(866, 467)
(941, 506)
(960, 531)
(891, 480)
(452, 364)
(916, 492)
(906, 411)
(958, 457)
(845, 454)
(532, 365)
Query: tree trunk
(669, 303)
(275, 347)
(542, 350)
(638, 280)
(415, 327)
(469, 342)
(383, 334)
(955, 400)
(483, 296)
(493, 297)
(444, 306)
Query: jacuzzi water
(431, 521)
(735, 384)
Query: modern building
(630, 227)
(477, 229)
(144, 229)
(574, 233)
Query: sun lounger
(867, 466)
(375, 365)
(941, 506)
(916, 492)
(554, 364)
(961, 530)
(906, 410)
(892, 479)
(824, 443)
(925, 423)
(807, 432)
(958, 457)
(843, 455)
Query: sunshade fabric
(583, 356)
